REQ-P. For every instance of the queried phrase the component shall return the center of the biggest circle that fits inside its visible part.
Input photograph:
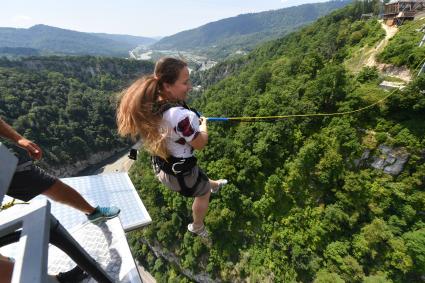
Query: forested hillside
(65, 104)
(311, 199)
(404, 49)
(47, 40)
(224, 37)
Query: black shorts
(30, 182)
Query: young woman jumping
(154, 109)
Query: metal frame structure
(33, 229)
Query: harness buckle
(181, 162)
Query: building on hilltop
(397, 11)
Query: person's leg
(33, 181)
(199, 210)
(65, 194)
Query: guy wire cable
(278, 117)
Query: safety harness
(178, 167)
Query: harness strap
(179, 168)
(175, 166)
(185, 190)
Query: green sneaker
(103, 213)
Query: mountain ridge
(48, 40)
(246, 30)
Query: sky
(150, 18)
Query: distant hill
(47, 40)
(130, 39)
(247, 30)
(19, 51)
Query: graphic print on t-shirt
(185, 127)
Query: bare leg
(63, 193)
(199, 209)
(6, 269)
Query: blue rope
(217, 119)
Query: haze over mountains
(215, 40)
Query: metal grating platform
(106, 243)
(104, 190)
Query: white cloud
(22, 20)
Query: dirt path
(387, 69)
(389, 33)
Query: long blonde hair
(135, 111)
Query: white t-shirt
(181, 126)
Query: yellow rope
(7, 205)
(319, 114)
(313, 114)
(10, 204)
